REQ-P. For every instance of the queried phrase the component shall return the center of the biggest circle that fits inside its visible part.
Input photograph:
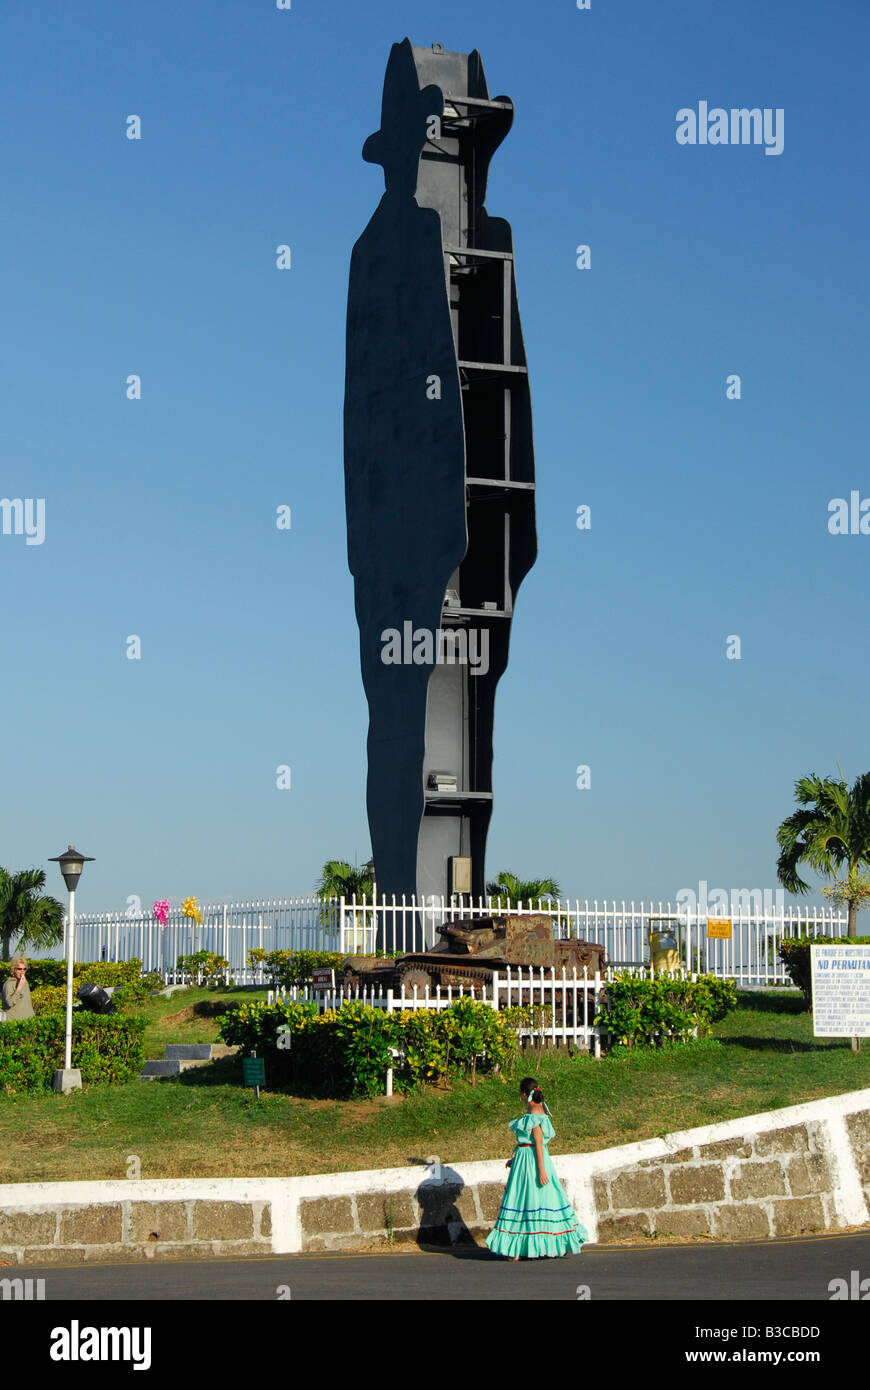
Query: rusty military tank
(469, 954)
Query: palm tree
(26, 916)
(521, 890)
(833, 830)
(339, 879)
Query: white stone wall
(803, 1168)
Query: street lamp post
(71, 864)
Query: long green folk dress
(534, 1220)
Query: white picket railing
(373, 996)
(231, 930)
(568, 1002)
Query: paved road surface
(776, 1271)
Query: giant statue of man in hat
(405, 436)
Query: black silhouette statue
(439, 470)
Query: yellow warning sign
(719, 927)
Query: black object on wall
(439, 467)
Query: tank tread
(474, 974)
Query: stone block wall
(777, 1183)
(858, 1128)
(136, 1228)
(787, 1172)
(434, 1214)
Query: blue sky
(709, 516)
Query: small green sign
(254, 1071)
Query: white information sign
(841, 991)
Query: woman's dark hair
(529, 1087)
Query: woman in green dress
(535, 1219)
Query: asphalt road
(767, 1271)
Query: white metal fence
(230, 930)
(564, 1005)
(751, 956)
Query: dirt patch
(183, 1016)
(205, 1008)
(358, 1111)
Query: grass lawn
(189, 1016)
(204, 1124)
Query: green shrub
(47, 981)
(203, 967)
(98, 972)
(794, 952)
(288, 968)
(39, 972)
(641, 1012)
(105, 972)
(48, 999)
(138, 990)
(105, 1048)
(254, 1025)
(347, 1052)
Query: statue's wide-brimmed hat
(403, 107)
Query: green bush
(641, 1012)
(48, 999)
(253, 1025)
(204, 966)
(39, 972)
(105, 972)
(794, 952)
(47, 981)
(347, 1052)
(98, 972)
(138, 990)
(106, 1049)
(288, 968)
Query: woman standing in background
(15, 1003)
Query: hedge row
(97, 972)
(288, 968)
(105, 1048)
(794, 952)
(640, 1012)
(47, 981)
(347, 1052)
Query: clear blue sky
(709, 516)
